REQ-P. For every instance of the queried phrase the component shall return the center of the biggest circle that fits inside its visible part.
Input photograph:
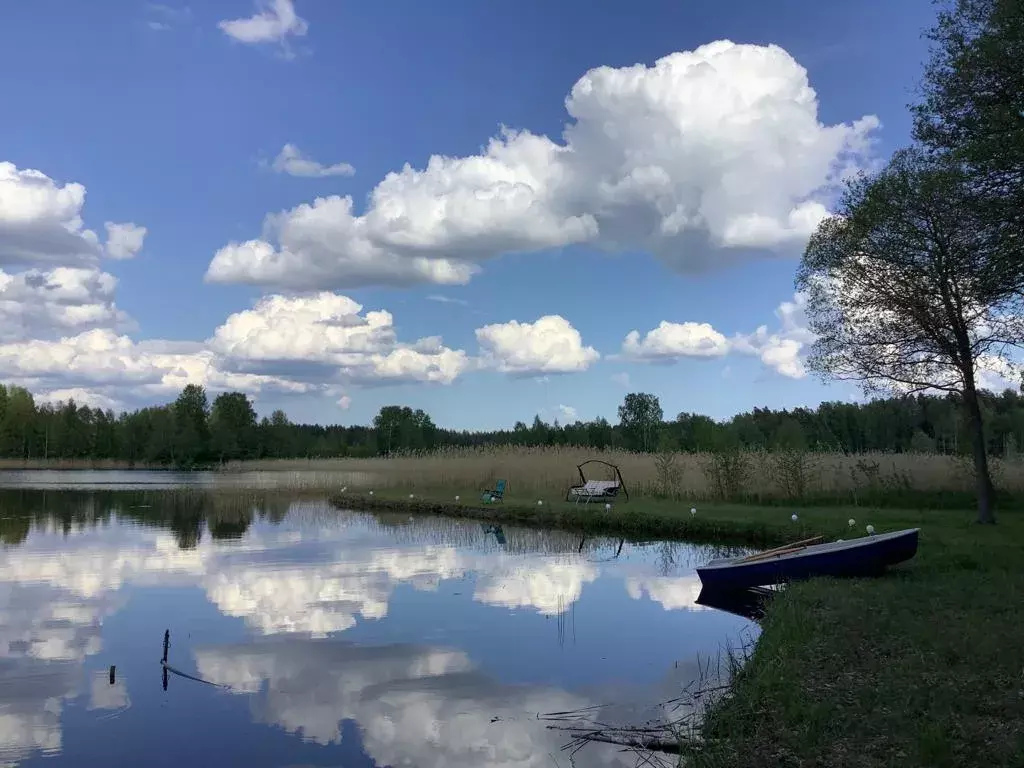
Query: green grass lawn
(923, 667)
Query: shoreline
(622, 522)
(919, 666)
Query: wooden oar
(785, 548)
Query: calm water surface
(330, 638)
(156, 479)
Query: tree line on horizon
(192, 431)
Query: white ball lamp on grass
(540, 502)
(456, 498)
(851, 522)
(871, 530)
(371, 493)
(794, 517)
(693, 510)
(607, 506)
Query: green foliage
(232, 427)
(727, 470)
(399, 428)
(909, 289)
(972, 108)
(640, 416)
(150, 435)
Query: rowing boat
(865, 556)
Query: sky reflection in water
(341, 638)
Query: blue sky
(174, 119)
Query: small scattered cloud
(621, 378)
(292, 161)
(164, 17)
(344, 402)
(784, 349)
(124, 241)
(447, 300)
(274, 22)
(567, 414)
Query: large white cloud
(41, 303)
(549, 345)
(327, 329)
(319, 241)
(59, 336)
(107, 365)
(701, 158)
(41, 222)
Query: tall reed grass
(546, 472)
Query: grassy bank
(924, 667)
(755, 477)
(914, 481)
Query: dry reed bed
(549, 471)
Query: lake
(310, 636)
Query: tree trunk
(982, 478)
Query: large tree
(402, 428)
(972, 106)
(191, 425)
(232, 426)
(640, 417)
(906, 291)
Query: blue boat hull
(867, 559)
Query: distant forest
(192, 431)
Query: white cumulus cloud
(549, 345)
(41, 220)
(108, 365)
(328, 330)
(292, 161)
(40, 303)
(41, 223)
(704, 158)
(671, 341)
(273, 21)
(783, 350)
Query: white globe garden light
(456, 498)
(607, 506)
(852, 522)
(693, 510)
(794, 518)
(540, 503)
(871, 530)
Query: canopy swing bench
(597, 490)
